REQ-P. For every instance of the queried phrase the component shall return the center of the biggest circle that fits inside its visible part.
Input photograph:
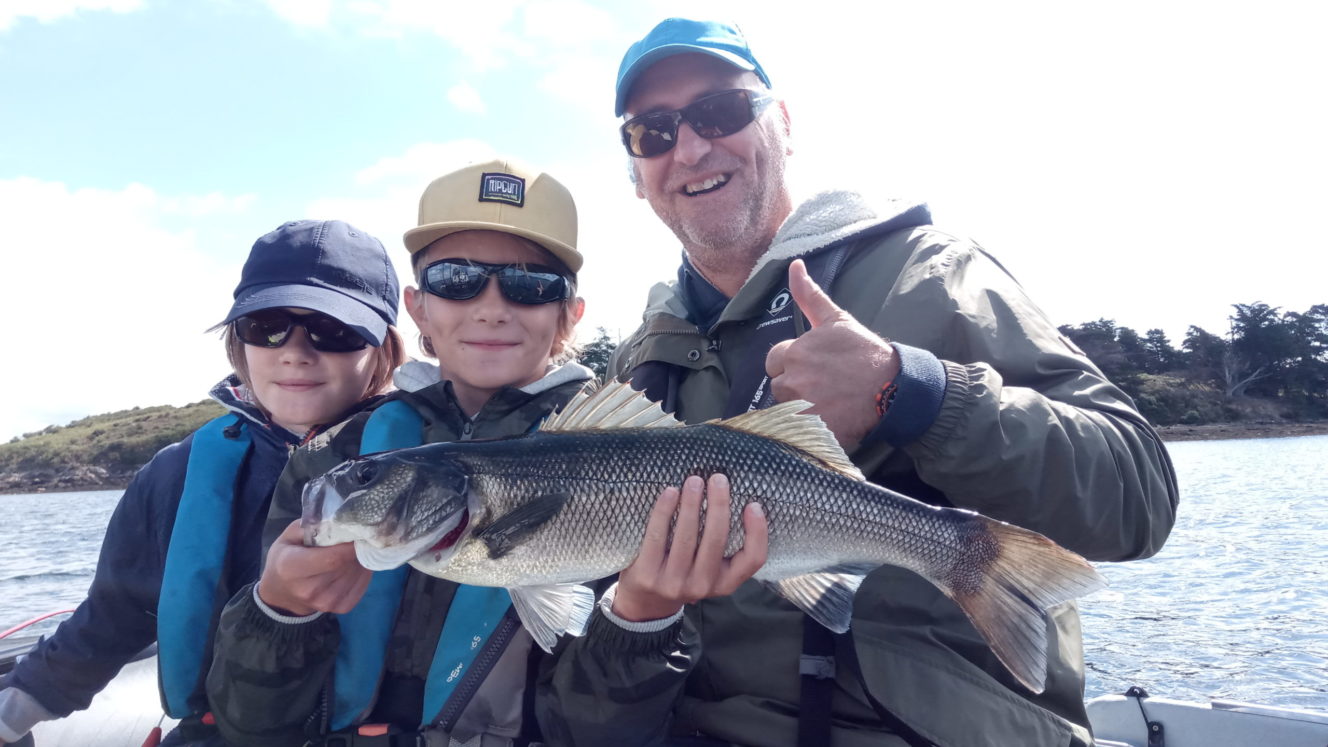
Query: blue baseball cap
(322, 265)
(680, 36)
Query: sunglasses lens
(720, 115)
(650, 134)
(710, 116)
(532, 285)
(271, 328)
(455, 281)
(332, 336)
(266, 329)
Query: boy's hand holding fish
(665, 575)
(300, 580)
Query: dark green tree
(1205, 354)
(595, 354)
(1161, 356)
(1263, 345)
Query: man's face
(723, 198)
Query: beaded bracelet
(885, 397)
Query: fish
(544, 513)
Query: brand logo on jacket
(779, 301)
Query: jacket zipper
(479, 671)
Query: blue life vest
(195, 558)
(365, 631)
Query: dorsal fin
(613, 405)
(787, 423)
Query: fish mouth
(437, 545)
(319, 501)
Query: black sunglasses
(271, 328)
(712, 116)
(463, 279)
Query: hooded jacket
(272, 681)
(995, 412)
(119, 618)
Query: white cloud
(304, 13)
(465, 98)
(421, 162)
(46, 11)
(109, 307)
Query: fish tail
(1009, 579)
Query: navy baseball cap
(322, 265)
(680, 36)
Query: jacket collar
(824, 219)
(830, 217)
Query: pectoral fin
(825, 595)
(550, 611)
(510, 530)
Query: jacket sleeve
(118, 619)
(615, 687)
(1028, 430)
(268, 674)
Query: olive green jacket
(1028, 431)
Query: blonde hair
(387, 358)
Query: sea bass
(541, 513)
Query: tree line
(1269, 364)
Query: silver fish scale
(818, 518)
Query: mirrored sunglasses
(712, 116)
(271, 328)
(463, 279)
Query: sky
(1147, 162)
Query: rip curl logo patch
(780, 300)
(503, 188)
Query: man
(935, 372)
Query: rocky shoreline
(1248, 429)
(97, 478)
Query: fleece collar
(832, 216)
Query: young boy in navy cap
(311, 338)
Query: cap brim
(419, 237)
(344, 309)
(628, 78)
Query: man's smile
(705, 185)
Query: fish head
(394, 506)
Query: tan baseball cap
(502, 195)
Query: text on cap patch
(503, 188)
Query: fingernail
(757, 509)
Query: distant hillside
(98, 452)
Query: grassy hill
(97, 452)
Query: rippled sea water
(1235, 606)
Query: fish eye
(365, 472)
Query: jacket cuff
(19, 712)
(605, 633)
(643, 626)
(919, 392)
(281, 617)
